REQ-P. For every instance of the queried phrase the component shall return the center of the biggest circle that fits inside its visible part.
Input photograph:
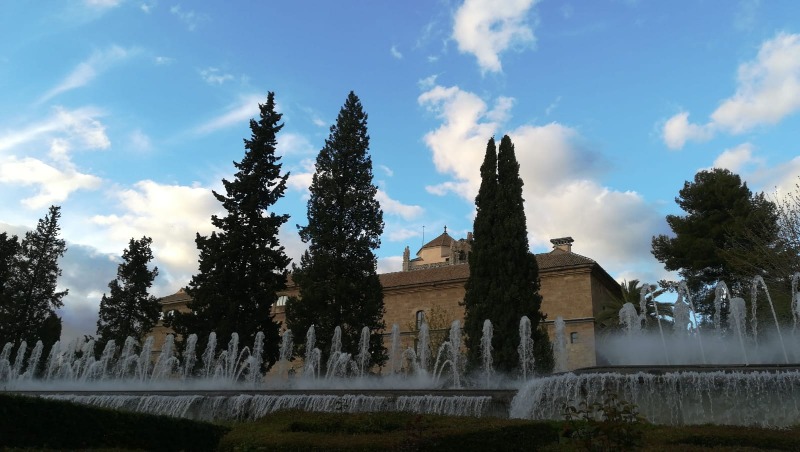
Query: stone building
(431, 286)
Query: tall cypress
(242, 266)
(129, 309)
(481, 259)
(519, 277)
(503, 284)
(337, 275)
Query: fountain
(683, 375)
(728, 375)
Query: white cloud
(54, 184)
(459, 144)
(386, 170)
(394, 207)
(139, 141)
(80, 127)
(486, 28)
(401, 234)
(103, 3)
(170, 215)
(768, 90)
(147, 7)
(189, 18)
(736, 159)
(396, 53)
(244, 110)
(294, 144)
(390, 264)
(213, 76)
(427, 82)
(162, 60)
(300, 178)
(677, 130)
(89, 69)
(558, 171)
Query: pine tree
(9, 248)
(129, 310)
(504, 277)
(337, 275)
(28, 311)
(242, 266)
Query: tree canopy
(503, 285)
(129, 309)
(721, 213)
(242, 265)
(337, 277)
(29, 297)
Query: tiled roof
(551, 261)
(443, 240)
(177, 297)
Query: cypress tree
(129, 309)
(504, 277)
(337, 276)
(30, 299)
(479, 290)
(242, 265)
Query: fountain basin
(764, 395)
(217, 405)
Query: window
(573, 337)
(282, 300)
(420, 318)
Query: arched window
(573, 337)
(420, 318)
(282, 300)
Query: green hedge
(32, 422)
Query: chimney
(563, 244)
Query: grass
(293, 430)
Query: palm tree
(608, 318)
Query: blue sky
(128, 112)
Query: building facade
(431, 286)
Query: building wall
(575, 293)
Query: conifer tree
(337, 275)
(30, 299)
(479, 288)
(505, 283)
(242, 265)
(129, 309)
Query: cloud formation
(768, 90)
(88, 70)
(562, 196)
(241, 112)
(214, 76)
(54, 185)
(486, 28)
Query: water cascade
(560, 346)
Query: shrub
(612, 424)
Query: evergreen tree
(505, 284)
(129, 310)
(242, 266)
(721, 214)
(9, 247)
(337, 275)
(30, 299)
(482, 266)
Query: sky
(128, 113)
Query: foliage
(503, 284)
(608, 318)
(29, 300)
(775, 259)
(129, 310)
(337, 276)
(720, 212)
(33, 422)
(612, 424)
(297, 430)
(242, 264)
